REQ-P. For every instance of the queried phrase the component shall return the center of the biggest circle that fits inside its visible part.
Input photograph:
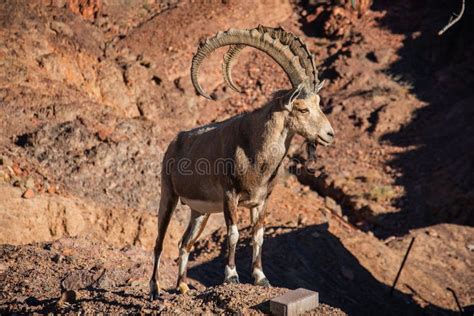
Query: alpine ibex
(221, 166)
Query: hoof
(183, 288)
(154, 291)
(263, 282)
(232, 280)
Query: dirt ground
(91, 93)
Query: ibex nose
(326, 136)
(329, 136)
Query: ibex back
(221, 166)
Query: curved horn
(229, 62)
(297, 47)
(278, 49)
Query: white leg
(231, 275)
(257, 217)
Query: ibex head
(306, 118)
(304, 113)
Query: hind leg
(196, 226)
(167, 206)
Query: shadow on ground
(438, 176)
(315, 259)
(438, 173)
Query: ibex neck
(271, 138)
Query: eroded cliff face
(88, 94)
(91, 93)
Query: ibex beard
(253, 146)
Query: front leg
(258, 223)
(230, 214)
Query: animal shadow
(313, 258)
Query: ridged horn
(229, 61)
(296, 45)
(277, 48)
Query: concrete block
(294, 302)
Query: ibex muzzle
(236, 162)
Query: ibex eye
(303, 110)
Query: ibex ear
(320, 86)
(289, 105)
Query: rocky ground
(91, 92)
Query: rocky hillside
(91, 93)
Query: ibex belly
(249, 200)
(203, 194)
(204, 206)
